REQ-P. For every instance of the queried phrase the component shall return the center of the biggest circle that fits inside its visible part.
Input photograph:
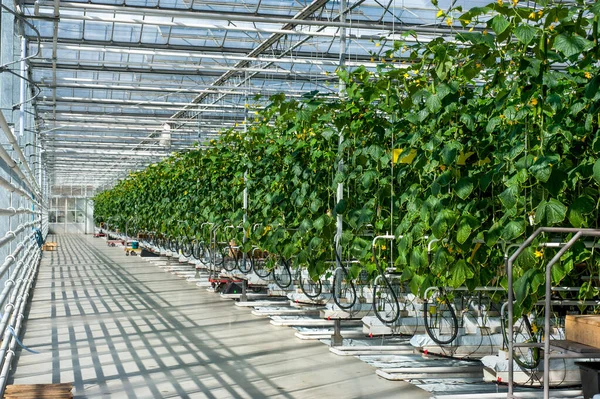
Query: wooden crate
(39, 391)
(584, 329)
(50, 246)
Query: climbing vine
(474, 139)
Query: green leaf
(463, 188)
(513, 230)
(464, 231)
(460, 273)
(368, 178)
(550, 212)
(508, 197)
(433, 103)
(315, 205)
(492, 123)
(591, 89)
(449, 154)
(525, 33)
(596, 171)
(523, 285)
(571, 45)
(319, 223)
(444, 220)
(583, 205)
(416, 284)
(498, 24)
(542, 168)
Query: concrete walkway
(117, 326)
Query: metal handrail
(578, 233)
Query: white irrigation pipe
(12, 257)
(14, 278)
(12, 211)
(12, 188)
(32, 184)
(10, 342)
(10, 235)
(17, 291)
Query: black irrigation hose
(278, 277)
(313, 290)
(173, 245)
(428, 328)
(186, 247)
(245, 265)
(450, 308)
(258, 265)
(336, 298)
(393, 293)
(228, 252)
(197, 250)
(535, 351)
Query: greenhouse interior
(300, 199)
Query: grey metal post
(511, 332)
(244, 297)
(547, 305)
(340, 186)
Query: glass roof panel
(144, 62)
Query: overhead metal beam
(220, 15)
(274, 38)
(111, 121)
(164, 86)
(143, 118)
(84, 100)
(132, 50)
(217, 27)
(199, 71)
(186, 48)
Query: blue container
(135, 244)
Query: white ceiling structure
(124, 83)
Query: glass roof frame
(114, 74)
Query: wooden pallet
(50, 246)
(39, 391)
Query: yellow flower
(499, 2)
(449, 21)
(538, 254)
(407, 75)
(532, 15)
(442, 167)
(471, 30)
(551, 27)
(540, 13)
(515, 2)
(372, 59)
(533, 101)
(440, 13)
(377, 44)
(534, 328)
(485, 32)
(587, 75)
